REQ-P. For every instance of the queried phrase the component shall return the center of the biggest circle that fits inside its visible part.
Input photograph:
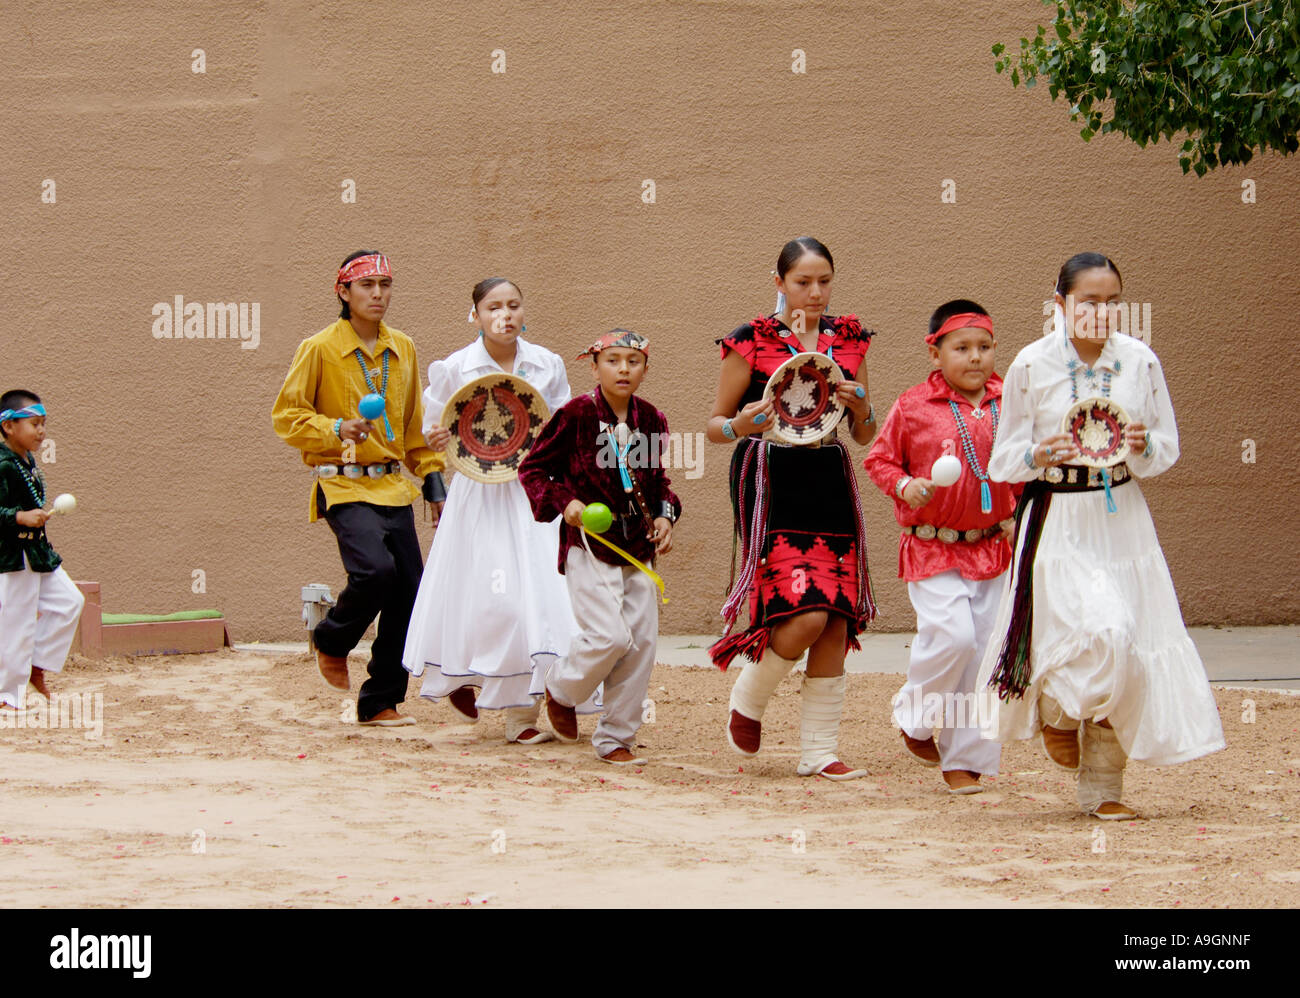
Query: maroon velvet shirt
(572, 460)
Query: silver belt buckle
(925, 531)
(948, 535)
(353, 471)
(377, 470)
(326, 470)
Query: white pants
(38, 621)
(617, 610)
(954, 619)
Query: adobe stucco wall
(226, 186)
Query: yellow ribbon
(654, 576)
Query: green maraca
(597, 518)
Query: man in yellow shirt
(358, 485)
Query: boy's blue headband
(35, 409)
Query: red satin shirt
(908, 444)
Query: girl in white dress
(492, 611)
(1090, 650)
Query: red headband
(618, 338)
(963, 321)
(376, 264)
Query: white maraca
(946, 470)
(64, 503)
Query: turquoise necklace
(1090, 373)
(382, 390)
(621, 453)
(1075, 365)
(968, 447)
(35, 481)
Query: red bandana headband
(963, 321)
(374, 265)
(618, 338)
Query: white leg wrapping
(823, 702)
(757, 682)
(1101, 767)
(519, 719)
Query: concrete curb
(1241, 657)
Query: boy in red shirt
(954, 546)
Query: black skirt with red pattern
(799, 520)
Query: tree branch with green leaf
(1224, 74)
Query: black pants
(381, 552)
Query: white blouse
(1036, 397)
(538, 366)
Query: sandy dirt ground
(234, 779)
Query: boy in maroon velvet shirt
(606, 446)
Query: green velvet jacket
(15, 540)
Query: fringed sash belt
(1012, 673)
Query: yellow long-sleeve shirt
(325, 383)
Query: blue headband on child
(35, 409)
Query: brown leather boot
(622, 757)
(463, 700)
(962, 781)
(37, 679)
(1113, 810)
(563, 719)
(1062, 747)
(923, 749)
(333, 670)
(744, 734)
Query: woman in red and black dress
(804, 553)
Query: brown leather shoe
(744, 734)
(962, 781)
(622, 757)
(333, 670)
(923, 749)
(37, 679)
(463, 699)
(389, 718)
(563, 719)
(1113, 810)
(1062, 747)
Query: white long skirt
(492, 610)
(1108, 637)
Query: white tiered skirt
(1108, 637)
(492, 610)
